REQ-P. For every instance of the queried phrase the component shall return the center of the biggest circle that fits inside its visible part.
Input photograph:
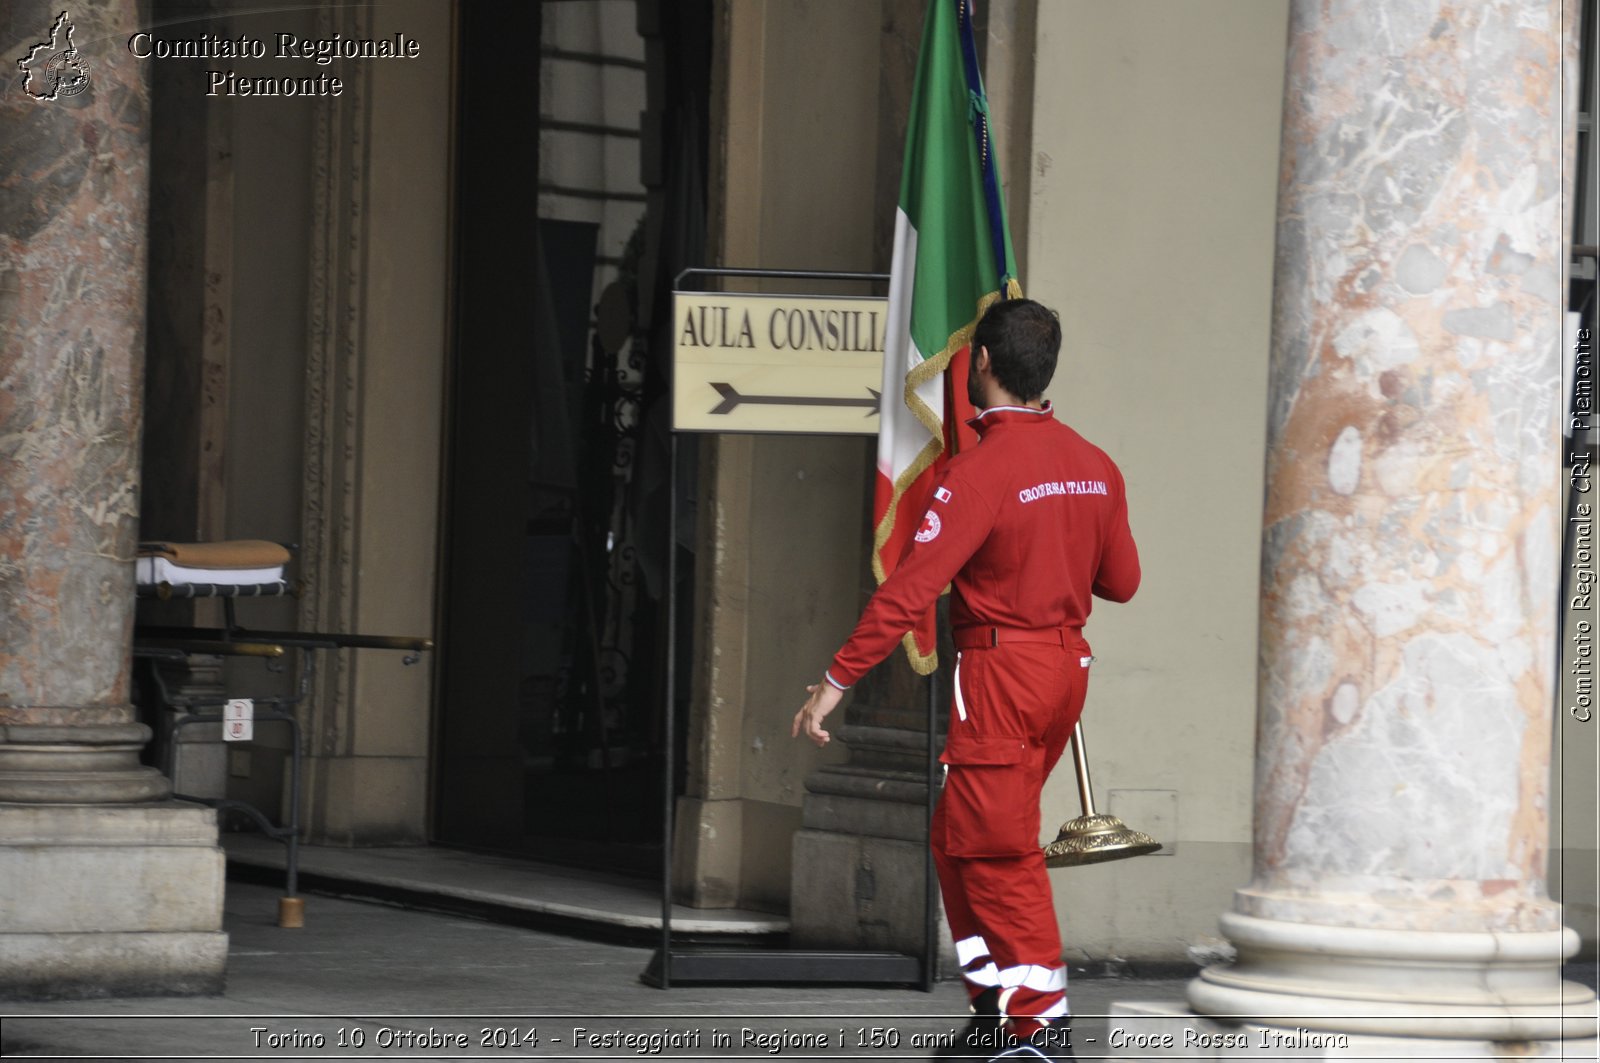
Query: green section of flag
(941, 191)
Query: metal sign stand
(689, 964)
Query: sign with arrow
(777, 363)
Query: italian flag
(952, 258)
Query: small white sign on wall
(238, 720)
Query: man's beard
(974, 392)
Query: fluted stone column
(104, 887)
(1410, 544)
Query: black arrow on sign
(731, 398)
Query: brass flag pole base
(1093, 838)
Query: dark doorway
(549, 737)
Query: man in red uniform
(1025, 527)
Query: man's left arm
(956, 524)
(1118, 575)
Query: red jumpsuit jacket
(1025, 528)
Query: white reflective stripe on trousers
(969, 949)
(1054, 1011)
(1045, 1017)
(985, 976)
(1042, 979)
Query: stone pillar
(103, 887)
(859, 878)
(1409, 551)
(860, 872)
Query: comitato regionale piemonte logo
(53, 69)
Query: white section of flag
(901, 436)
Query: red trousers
(1014, 708)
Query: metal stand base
(768, 967)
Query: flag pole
(930, 930)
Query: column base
(51, 764)
(102, 900)
(864, 893)
(1163, 1030)
(1493, 985)
(859, 873)
(90, 966)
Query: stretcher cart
(229, 571)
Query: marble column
(72, 289)
(1410, 543)
(103, 886)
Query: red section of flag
(915, 503)
(958, 434)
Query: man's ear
(981, 361)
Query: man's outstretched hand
(825, 697)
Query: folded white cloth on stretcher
(236, 562)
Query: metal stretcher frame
(166, 642)
(691, 965)
(193, 713)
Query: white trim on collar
(1018, 409)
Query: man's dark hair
(1023, 338)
